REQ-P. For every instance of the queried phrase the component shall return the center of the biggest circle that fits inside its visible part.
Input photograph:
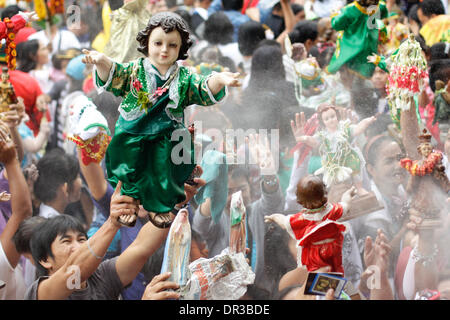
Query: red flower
(137, 84)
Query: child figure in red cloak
(319, 236)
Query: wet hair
(55, 168)
(169, 22)
(296, 8)
(235, 5)
(218, 29)
(412, 14)
(108, 104)
(250, 34)
(438, 51)
(430, 7)
(278, 259)
(239, 171)
(267, 67)
(49, 230)
(26, 55)
(304, 30)
(311, 192)
(11, 11)
(439, 70)
(24, 233)
(372, 148)
(325, 107)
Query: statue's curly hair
(169, 22)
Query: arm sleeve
(119, 80)
(296, 174)
(104, 204)
(342, 20)
(199, 92)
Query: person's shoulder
(31, 293)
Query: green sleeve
(118, 82)
(199, 93)
(384, 11)
(343, 19)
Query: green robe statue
(142, 154)
(358, 38)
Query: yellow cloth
(126, 23)
(435, 28)
(102, 38)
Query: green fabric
(314, 164)
(140, 153)
(215, 173)
(356, 41)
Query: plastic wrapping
(177, 249)
(223, 277)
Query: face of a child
(330, 120)
(42, 55)
(426, 149)
(163, 48)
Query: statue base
(362, 205)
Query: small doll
(359, 28)
(340, 159)
(156, 90)
(316, 229)
(7, 93)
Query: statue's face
(426, 149)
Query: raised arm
(20, 196)
(101, 62)
(221, 79)
(89, 255)
(363, 125)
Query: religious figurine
(316, 228)
(428, 184)
(152, 166)
(7, 93)
(359, 28)
(237, 223)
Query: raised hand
(262, 155)
(124, 209)
(157, 288)
(93, 57)
(298, 126)
(4, 196)
(230, 79)
(7, 147)
(29, 16)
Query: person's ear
(65, 189)
(46, 264)
(370, 170)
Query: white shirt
(63, 40)
(47, 211)
(15, 285)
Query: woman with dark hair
(33, 57)
(218, 32)
(156, 90)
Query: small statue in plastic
(237, 223)
(316, 229)
(428, 185)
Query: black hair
(218, 29)
(304, 30)
(24, 233)
(439, 70)
(55, 168)
(26, 55)
(235, 5)
(412, 14)
(239, 171)
(267, 67)
(437, 51)
(372, 148)
(11, 11)
(115, 4)
(49, 230)
(278, 259)
(249, 35)
(169, 22)
(296, 8)
(430, 7)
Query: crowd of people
(76, 224)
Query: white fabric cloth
(47, 211)
(15, 285)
